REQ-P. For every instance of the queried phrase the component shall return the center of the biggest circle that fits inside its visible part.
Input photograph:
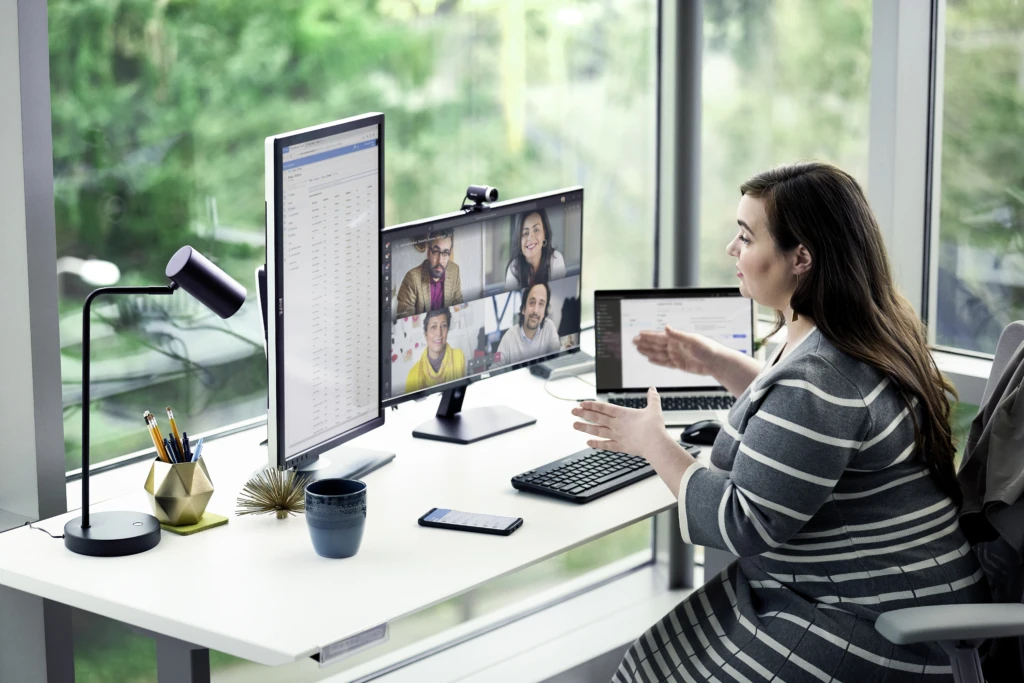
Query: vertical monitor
(325, 196)
(471, 294)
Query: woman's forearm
(734, 370)
(670, 461)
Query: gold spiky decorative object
(273, 490)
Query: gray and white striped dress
(816, 486)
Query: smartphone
(443, 518)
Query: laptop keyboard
(718, 402)
(586, 475)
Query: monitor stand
(454, 426)
(345, 463)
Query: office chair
(961, 629)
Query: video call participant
(439, 363)
(536, 334)
(534, 257)
(435, 283)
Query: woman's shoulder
(820, 363)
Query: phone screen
(470, 519)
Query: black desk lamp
(112, 534)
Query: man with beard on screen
(435, 283)
(536, 334)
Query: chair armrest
(952, 622)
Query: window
(159, 114)
(783, 81)
(979, 287)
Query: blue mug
(336, 516)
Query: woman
(440, 362)
(833, 480)
(535, 259)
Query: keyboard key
(613, 475)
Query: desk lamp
(113, 534)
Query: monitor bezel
(672, 293)
(276, 442)
(454, 220)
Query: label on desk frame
(346, 647)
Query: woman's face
(437, 334)
(531, 240)
(765, 273)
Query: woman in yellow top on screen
(534, 257)
(439, 363)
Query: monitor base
(345, 463)
(473, 425)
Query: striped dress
(815, 485)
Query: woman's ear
(801, 260)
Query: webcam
(482, 193)
(480, 196)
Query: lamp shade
(198, 276)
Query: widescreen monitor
(325, 197)
(475, 293)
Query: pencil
(174, 429)
(154, 434)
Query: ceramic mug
(336, 516)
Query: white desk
(256, 589)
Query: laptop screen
(718, 313)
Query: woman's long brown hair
(850, 295)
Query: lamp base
(112, 534)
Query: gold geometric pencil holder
(179, 492)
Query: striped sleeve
(808, 426)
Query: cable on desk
(29, 525)
(567, 398)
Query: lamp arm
(86, 311)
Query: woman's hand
(626, 430)
(680, 350)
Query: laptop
(624, 374)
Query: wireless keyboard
(718, 402)
(589, 474)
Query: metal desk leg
(670, 550)
(181, 662)
(35, 639)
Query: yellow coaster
(208, 521)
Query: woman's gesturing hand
(680, 350)
(626, 430)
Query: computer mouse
(702, 433)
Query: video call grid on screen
(480, 263)
(328, 208)
(720, 314)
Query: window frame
(905, 165)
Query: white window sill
(969, 374)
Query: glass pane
(783, 81)
(159, 114)
(980, 284)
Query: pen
(154, 434)
(174, 429)
(185, 450)
(198, 451)
(170, 450)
